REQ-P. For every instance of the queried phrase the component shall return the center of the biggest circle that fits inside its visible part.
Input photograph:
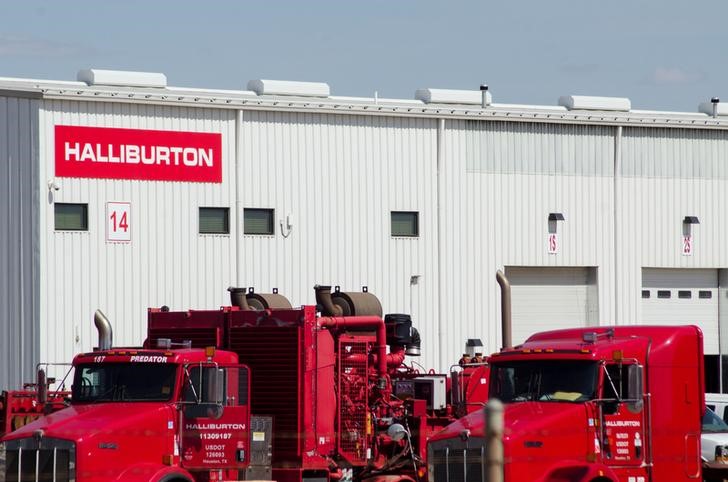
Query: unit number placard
(118, 221)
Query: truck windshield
(123, 382)
(544, 380)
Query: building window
(685, 294)
(705, 295)
(663, 294)
(71, 217)
(214, 221)
(258, 221)
(645, 294)
(405, 223)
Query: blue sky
(662, 54)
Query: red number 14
(123, 223)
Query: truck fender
(155, 473)
(580, 473)
(389, 478)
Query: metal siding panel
(500, 218)
(167, 261)
(18, 241)
(339, 177)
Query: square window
(71, 217)
(685, 294)
(705, 295)
(663, 294)
(405, 223)
(214, 221)
(258, 221)
(645, 294)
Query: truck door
(215, 417)
(623, 442)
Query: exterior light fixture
(687, 238)
(552, 241)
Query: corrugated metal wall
(167, 261)
(338, 177)
(19, 198)
(500, 181)
(668, 174)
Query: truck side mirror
(635, 389)
(214, 391)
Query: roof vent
(286, 87)
(714, 107)
(447, 96)
(587, 102)
(122, 78)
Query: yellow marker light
(537, 350)
(585, 350)
(617, 355)
(527, 350)
(210, 351)
(167, 459)
(549, 350)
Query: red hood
(84, 422)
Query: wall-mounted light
(554, 218)
(553, 241)
(473, 346)
(687, 241)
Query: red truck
(140, 415)
(330, 398)
(588, 405)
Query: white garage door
(682, 296)
(551, 298)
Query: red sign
(687, 245)
(553, 243)
(114, 153)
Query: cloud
(674, 76)
(17, 46)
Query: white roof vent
(122, 78)
(286, 87)
(714, 107)
(447, 96)
(587, 102)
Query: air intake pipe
(238, 298)
(340, 303)
(413, 347)
(103, 326)
(505, 286)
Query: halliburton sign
(149, 155)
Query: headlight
(721, 453)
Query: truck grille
(51, 460)
(457, 461)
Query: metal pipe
(505, 308)
(103, 326)
(238, 298)
(394, 359)
(363, 323)
(323, 299)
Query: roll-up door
(674, 296)
(549, 298)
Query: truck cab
(591, 405)
(140, 414)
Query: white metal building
(119, 192)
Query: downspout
(238, 186)
(440, 237)
(615, 217)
